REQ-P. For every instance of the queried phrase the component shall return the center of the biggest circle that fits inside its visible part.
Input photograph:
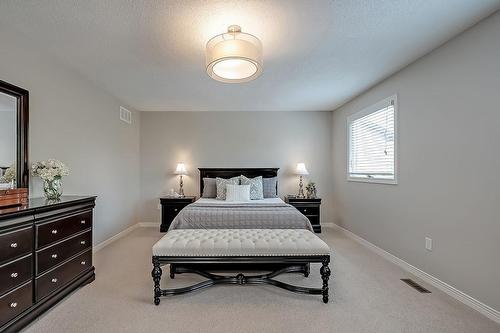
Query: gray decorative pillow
(221, 186)
(269, 187)
(256, 190)
(209, 188)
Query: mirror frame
(22, 97)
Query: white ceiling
(317, 54)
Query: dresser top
(35, 204)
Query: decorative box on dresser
(310, 208)
(170, 207)
(45, 253)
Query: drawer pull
(54, 256)
(13, 245)
(13, 304)
(54, 231)
(305, 210)
(54, 280)
(83, 262)
(82, 222)
(175, 209)
(14, 275)
(82, 242)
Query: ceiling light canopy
(234, 57)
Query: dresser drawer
(51, 232)
(15, 273)
(57, 253)
(16, 243)
(308, 210)
(15, 302)
(62, 275)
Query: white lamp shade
(181, 169)
(301, 169)
(234, 57)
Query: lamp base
(301, 189)
(181, 188)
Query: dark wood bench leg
(325, 275)
(156, 274)
(307, 270)
(172, 271)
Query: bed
(270, 213)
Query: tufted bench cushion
(239, 242)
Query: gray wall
(232, 139)
(449, 188)
(74, 121)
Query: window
(372, 143)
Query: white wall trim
(124, 233)
(116, 237)
(443, 286)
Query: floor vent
(416, 286)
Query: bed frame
(247, 267)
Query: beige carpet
(368, 297)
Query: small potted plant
(51, 172)
(311, 190)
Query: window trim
(370, 109)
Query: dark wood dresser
(310, 208)
(45, 254)
(170, 207)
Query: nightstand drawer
(173, 210)
(308, 210)
(15, 273)
(15, 302)
(16, 243)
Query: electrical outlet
(428, 244)
(159, 206)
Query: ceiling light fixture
(234, 56)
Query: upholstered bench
(272, 246)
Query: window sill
(373, 180)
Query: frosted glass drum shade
(234, 57)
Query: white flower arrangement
(49, 170)
(9, 175)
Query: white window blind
(372, 143)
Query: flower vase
(53, 188)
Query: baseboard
(116, 237)
(432, 280)
(124, 233)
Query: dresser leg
(325, 275)
(156, 274)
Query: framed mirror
(13, 135)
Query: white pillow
(237, 192)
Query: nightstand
(308, 207)
(170, 207)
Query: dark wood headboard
(233, 172)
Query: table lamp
(181, 171)
(301, 171)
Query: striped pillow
(237, 192)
